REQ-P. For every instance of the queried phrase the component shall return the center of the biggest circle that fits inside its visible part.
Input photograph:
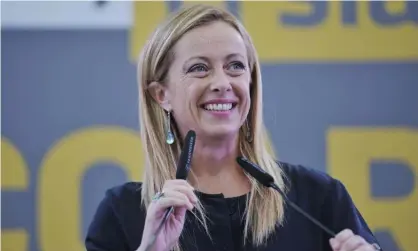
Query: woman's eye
(236, 66)
(198, 68)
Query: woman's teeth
(218, 107)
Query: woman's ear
(160, 94)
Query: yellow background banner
(312, 30)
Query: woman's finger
(340, 238)
(186, 191)
(173, 198)
(174, 183)
(181, 186)
(178, 193)
(353, 243)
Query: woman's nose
(220, 82)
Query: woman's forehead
(214, 39)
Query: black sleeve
(340, 212)
(105, 232)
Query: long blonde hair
(265, 208)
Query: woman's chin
(220, 131)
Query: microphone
(268, 181)
(183, 168)
(184, 164)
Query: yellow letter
(145, 23)
(219, 4)
(147, 15)
(14, 176)
(273, 37)
(62, 171)
(315, 31)
(350, 152)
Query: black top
(119, 220)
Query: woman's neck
(215, 170)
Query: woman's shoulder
(326, 197)
(125, 199)
(118, 219)
(123, 195)
(127, 191)
(301, 177)
(315, 188)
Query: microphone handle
(301, 211)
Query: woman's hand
(346, 240)
(177, 193)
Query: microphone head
(186, 155)
(256, 172)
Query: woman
(199, 71)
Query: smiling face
(208, 83)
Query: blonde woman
(199, 71)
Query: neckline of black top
(202, 195)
